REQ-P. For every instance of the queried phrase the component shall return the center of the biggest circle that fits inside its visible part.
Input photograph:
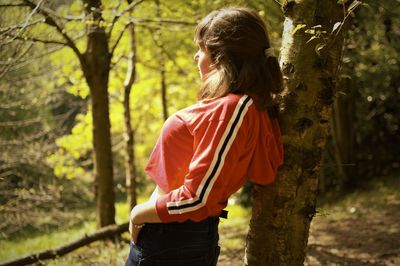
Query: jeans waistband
(209, 224)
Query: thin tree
(129, 132)
(310, 55)
(162, 65)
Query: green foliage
(370, 61)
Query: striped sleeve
(217, 148)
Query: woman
(207, 151)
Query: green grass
(26, 244)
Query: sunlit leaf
(298, 27)
(336, 26)
(312, 38)
(319, 47)
(353, 5)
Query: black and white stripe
(217, 163)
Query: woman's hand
(134, 227)
(141, 214)
(134, 230)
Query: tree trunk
(282, 211)
(343, 133)
(162, 66)
(129, 134)
(164, 90)
(96, 68)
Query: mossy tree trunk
(282, 211)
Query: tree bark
(103, 233)
(96, 68)
(129, 132)
(282, 211)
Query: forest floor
(356, 228)
(359, 228)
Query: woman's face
(203, 61)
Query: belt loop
(224, 214)
(212, 225)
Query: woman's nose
(196, 56)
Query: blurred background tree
(365, 122)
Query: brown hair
(236, 38)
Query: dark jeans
(177, 244)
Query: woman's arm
(144, 213)
(156, 193)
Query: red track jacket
(207, 151)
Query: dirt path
(361, 228)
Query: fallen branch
(104, 232)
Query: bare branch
(23, 141)
(34, 9)
(130, 7)
(20, 27)
(119, 38)
(164, 51)
(50, 21)
(14, 5)
(166, 20)
(115, 18)
(117, 5)
(21, 55)
(131, 72)
(68, 18)
(26, 122)
(102, 233)
(34, 39)
(150, 66)
(160, 27)
(278, 3)
(31, 121)
(22, 63)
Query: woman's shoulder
(230, 100)
(223, 108)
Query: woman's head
(235, 39)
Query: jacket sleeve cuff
(162, 211)
(166, 217)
